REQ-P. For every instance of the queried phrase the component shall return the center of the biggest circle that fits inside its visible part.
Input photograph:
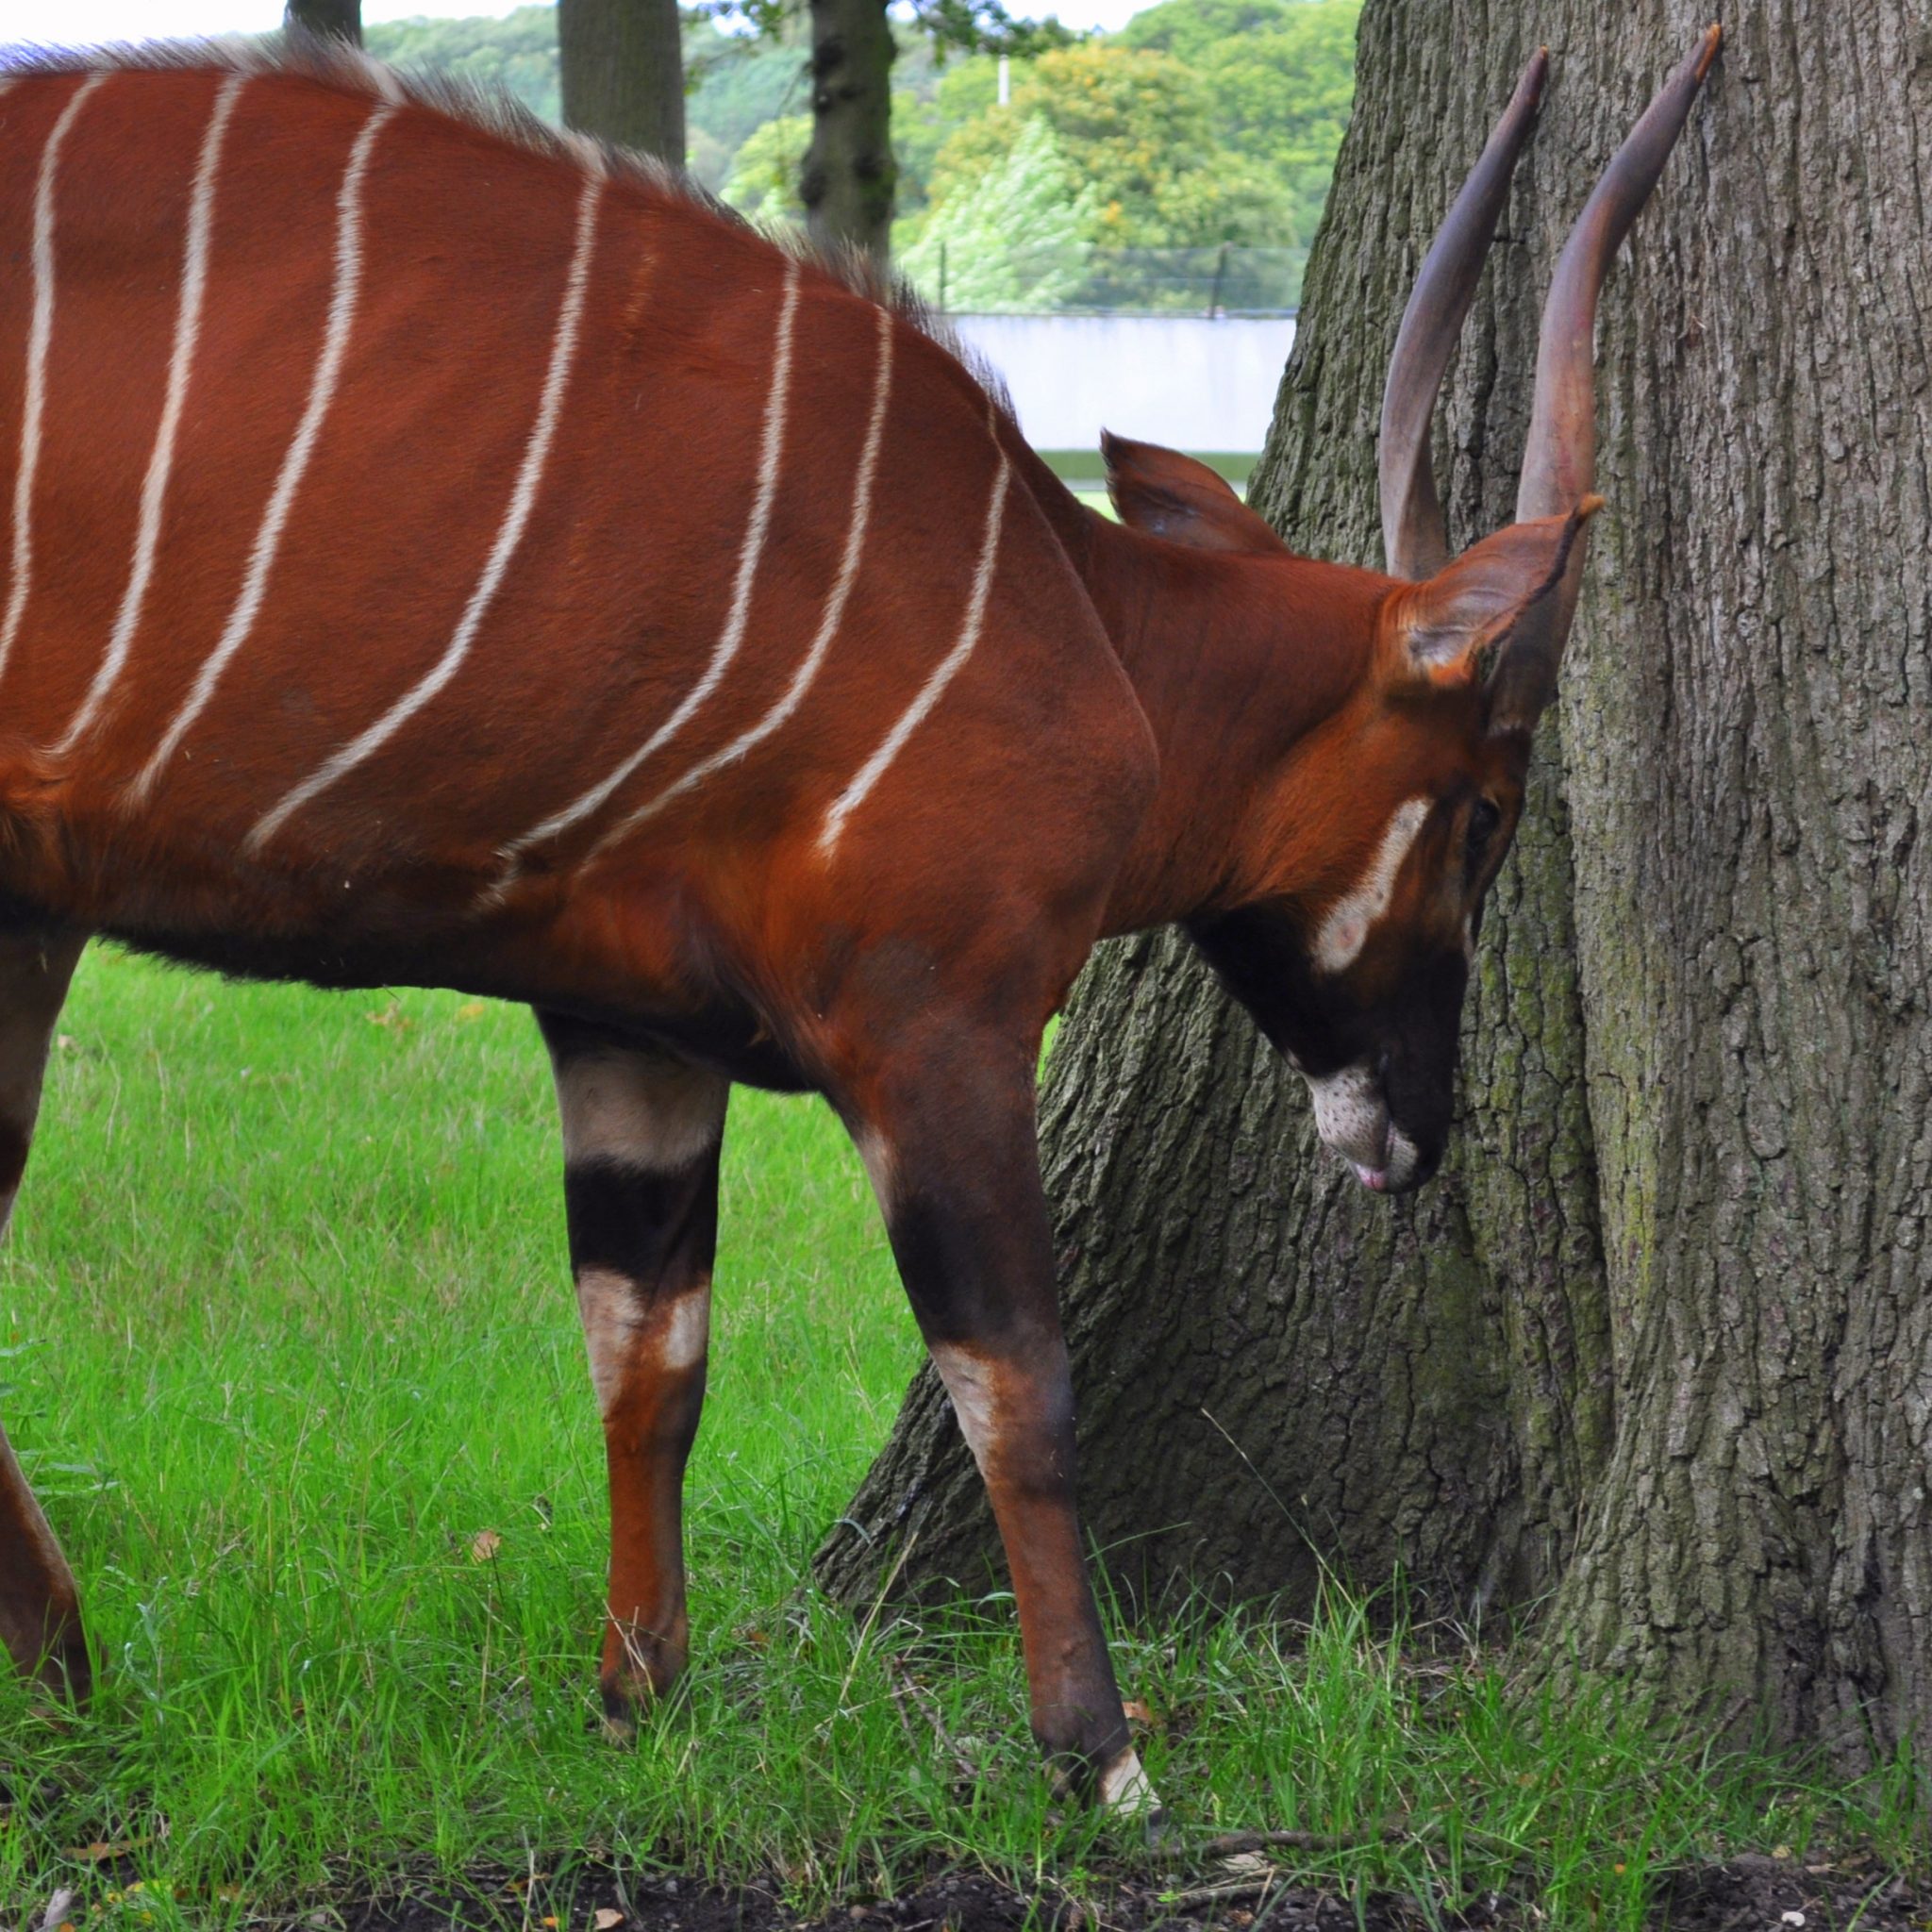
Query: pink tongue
(1374, 1177)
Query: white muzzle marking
(1352, 1117)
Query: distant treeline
(1202, 122)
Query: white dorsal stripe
(523, 500)
(40, 334)
(1345, 930)
(321, 390)
(154, 489)
(934, 688)
(828, 624)
(771, 456)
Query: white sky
(75, 23)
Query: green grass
(289, 1328)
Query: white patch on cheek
(975, 1401)
(1345, 930)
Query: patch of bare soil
(1747, 1893)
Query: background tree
(622, 70)
(849, 175)
(763, 182)
(1140, 127)
(340, 18)
(1279, 75)
(1655, 1349)
(1015, 245)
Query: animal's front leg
(948, 1132)
(39, 1606)
(641, 1132)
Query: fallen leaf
(1135, 1712)
(604, 1919)
(105, 1848)
(471, 1009)
(484, 1546)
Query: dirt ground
(1745, 1894)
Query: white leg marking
(686, 1334)
(875, 767)
(160, 464)
(1124, 1787)
(654, 1114)
(523, 500)
(772, 450)
(828, 624)
(40, 334)
(322, 389)
(970, 1382)
(608, 1304)
(619, 1332)
(1345, 930)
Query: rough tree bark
(621, 63)
(849, 176)
(341, 18)
(1658, 1344)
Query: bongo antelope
(441, 553)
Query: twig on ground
(1223, 1894)
(1391, 1831)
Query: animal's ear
(1167, 495)
(1434, 632)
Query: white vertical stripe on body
(915, 715)
(322, 389)
(40, 334)
(516, 519)
(771, 455)
(154, 489)
(828, 624)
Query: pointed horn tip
(1588, 506)
(1706, 51)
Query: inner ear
(1167, 495)
(1436, 630)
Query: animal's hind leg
(641, 1130)
(39, 1606)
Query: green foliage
(763, 182)
(737, 84)
(517, 53)
(1139, 128)
(1018, 240)
(980, 26)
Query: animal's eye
(1484, 817)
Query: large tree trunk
(1658, 1341)
(341, 18)
(621, 64)
(850, 174)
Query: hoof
(644, 1673)
(1124, 1791)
